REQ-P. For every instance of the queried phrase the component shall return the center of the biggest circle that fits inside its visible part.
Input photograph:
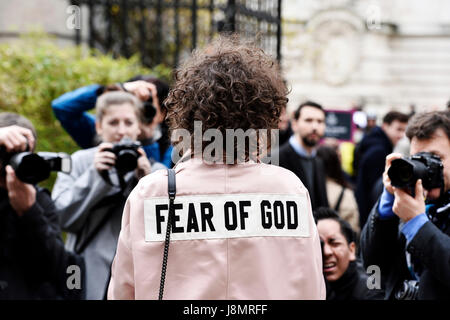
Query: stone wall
(52, 16)
(384, 54)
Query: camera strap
(120, 177)
(171, 189)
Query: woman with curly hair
(241, 229)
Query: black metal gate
(164, 31)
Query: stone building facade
(382, 54)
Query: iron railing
(164, 31)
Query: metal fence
(165, 31)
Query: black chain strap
(172, 193)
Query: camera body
(405, 172)
(35, 167)
(408, 290)
(126, 151)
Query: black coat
(383, 244)
(372, 152)
(33, 261)
(290, 160)
(352, 285)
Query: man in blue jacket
(406, 237)
(71, 110)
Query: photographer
(90, 200)
(33, 261)
(408, 238)
(71, 110)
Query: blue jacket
(71, 111)
(384, 243)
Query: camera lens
(126, 160)
(401, 173)
(30, 167)
(149, 111)
(405, 172)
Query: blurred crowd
(379, 240)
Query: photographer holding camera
(408, 238)
(33, 261)
(71, 110)
(90, 200)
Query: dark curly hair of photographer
(230, 84)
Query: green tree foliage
(34, 71)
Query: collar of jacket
(347, 280)
(299, 149)
(188, 157)
(439, 211)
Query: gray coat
(75, 197)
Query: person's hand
(140, 88)
(386, 179)
(104, 159)
(22, 196)
(16, 138)
(405, 206)
(143, 90)
(143, 166)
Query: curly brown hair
(230, 84)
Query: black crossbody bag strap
(172, 190)
(338, 203)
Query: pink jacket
(241, 232)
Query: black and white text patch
(228, 216)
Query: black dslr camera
(405, 172)
(126, 154)
(35, 167)
(149, 110)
